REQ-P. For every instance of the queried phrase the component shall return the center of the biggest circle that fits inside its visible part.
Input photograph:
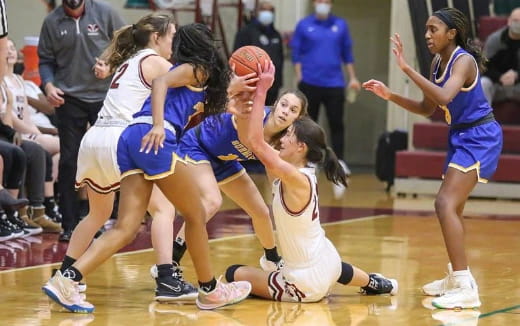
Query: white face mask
(265, 17)
(322, 9)
(515, 27)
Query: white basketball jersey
(128, 89)
(300, 235)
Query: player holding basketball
(140, 53)
(475, 138)
(147, 155)
(312, 263)
(215, 150)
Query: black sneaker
(378, 284)
(54, 213)
(174, 289)
(5, 229)
(16, 231)
(14, 218)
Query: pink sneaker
(224, 294)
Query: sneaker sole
(463, 306)
(431, 294)
(215, 306)
(395, 286)
(181, 298)
(50, 292)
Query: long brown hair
(132, 38)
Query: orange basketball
(247, 58)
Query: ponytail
(333, 170)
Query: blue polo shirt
(322, 47)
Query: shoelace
(177, 273)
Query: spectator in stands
(321, 46)
(261, 32)
(502, 48)
(70, 85)
(26, 162)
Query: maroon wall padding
(511, 139)
(434, 135)
(420, 164)
(430, 135)
(508, 168)
(428, 165)
(489, 24)
(507, 112)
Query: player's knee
(212, 205)
(230, 272)
(442, 204)
(347, 273)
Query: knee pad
(230, 272)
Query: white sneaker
(460, 297)
(439, 287)
(65, 292)
(224, 294)
(270, 266)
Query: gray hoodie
(68, 47)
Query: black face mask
(73, 4)
(18, 68)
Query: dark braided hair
(194, 44)
(132, 38)
(310, 133)
(455, 19)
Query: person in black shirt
(260, 32)
(501, 80)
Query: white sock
(463, 278)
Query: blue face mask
(265, 17)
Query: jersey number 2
(120, 73)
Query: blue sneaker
(65, 292)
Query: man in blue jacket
(321, 47)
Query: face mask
(515, 27)
(73, 4)
(19, 67)
(322, 9)
(265, 17)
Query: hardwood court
(400, 239)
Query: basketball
(247, 58)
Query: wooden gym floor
(398, 237)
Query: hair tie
(134, 27)
(445, 18)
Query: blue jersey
(218, 136)
(470, 104)
(183, 106)
(215, 141)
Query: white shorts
(307, 284)
(97, 159)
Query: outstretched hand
(266, 76)
(378, 88)
(398, 51)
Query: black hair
(132, 38)
(310, 133)
(455, 19)
(194, 44)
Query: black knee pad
(230, 272)
(347, 273)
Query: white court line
(233, 237)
